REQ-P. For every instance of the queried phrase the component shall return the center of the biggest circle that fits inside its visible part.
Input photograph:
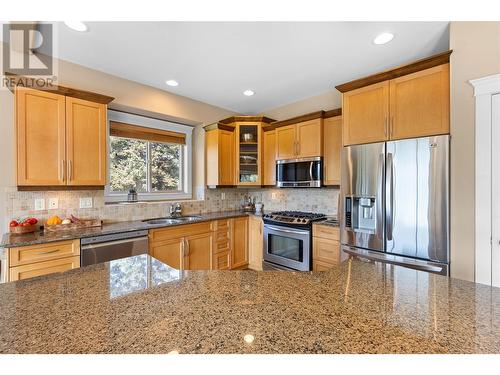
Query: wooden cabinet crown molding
(303, 118)
(61, 90)
(232, 119)
(220, 126)
(422, 64)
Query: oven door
(287, 247)
(306, 172)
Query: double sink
(173, 220)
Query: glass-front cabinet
(244, 159)
(248, 153)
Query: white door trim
(484, 89)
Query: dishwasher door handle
(118, 242)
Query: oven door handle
(290, 231)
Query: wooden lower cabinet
(216, 245)
(255, 242)
(43, 259)
(43, 268)
(221, 261)
(198, 252)
(168, 251)
(239, 250)
(326, 247)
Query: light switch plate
(86, 202)
(53, 203)
(222, 196)
(39, 204)
(274, 196)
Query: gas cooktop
(293, 217)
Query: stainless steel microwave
(305, 172)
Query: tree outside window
(146, 166)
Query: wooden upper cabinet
(286, 146)
(85, 142)
(40, 118)
(61, 140)
(332, 150)
(409, 101)
(220, 157)
(269, 158)
(420, 103)
(365, 114)
(309, 138)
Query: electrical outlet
(39, 204)
(53, 203)
(274, 196)
(86, 202)
(222, 196)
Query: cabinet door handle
(63, 173)
(391, 126)
(385, 126)
(298, 148)
(70, 170)
(48, 252)
(187, 247)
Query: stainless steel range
(288, 239)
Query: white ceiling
(215, 62)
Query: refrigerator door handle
(389, 188)
(380, 198)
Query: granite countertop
(140, 305)
(329, 222)
(16, 240)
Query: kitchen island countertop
(140, 305)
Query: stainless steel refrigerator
(395, 202)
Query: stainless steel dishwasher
(108, 247)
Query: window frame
(186, 172)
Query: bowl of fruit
(24, 225)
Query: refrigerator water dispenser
(360, 214)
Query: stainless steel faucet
(175, 210)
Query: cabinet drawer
(221, 261)
(324, 231)
(326, 250)
(319, 266)
(163, 234)
(38, 253)
(223, 235)
(43, 268)
(220, 246)
(221, 225)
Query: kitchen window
(151, 156)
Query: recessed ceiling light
(172, 82)
(383, 38)
(248, 93)
(76, 25)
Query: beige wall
(476, 53)
(127, 94)
(326, 101)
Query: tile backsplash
(324, 200)
(22, 203)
